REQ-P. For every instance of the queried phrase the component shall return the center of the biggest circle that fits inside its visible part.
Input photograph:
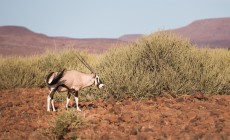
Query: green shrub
(67, 121)
(163, 62)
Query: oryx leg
(68, 99)
(50, 99)
(76, 99)
(48, 102)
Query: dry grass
(31, 71)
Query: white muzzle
(100, 86)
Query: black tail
(56, 78)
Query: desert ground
(191, 117)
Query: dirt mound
(23, 112)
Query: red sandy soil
(23, 113)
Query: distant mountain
(17, 31)
(214, 33)
(14, 40)
(131, 37)
(21, 41)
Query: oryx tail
(55, 79)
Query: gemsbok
(71, 81)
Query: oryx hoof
(78, 109)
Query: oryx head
(98, 82)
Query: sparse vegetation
(161, 62)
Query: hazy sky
(107, 18)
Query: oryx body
(70, 81)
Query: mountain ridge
(20, 41)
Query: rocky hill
(214, 33)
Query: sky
(107, 18)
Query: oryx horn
(85, 63)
